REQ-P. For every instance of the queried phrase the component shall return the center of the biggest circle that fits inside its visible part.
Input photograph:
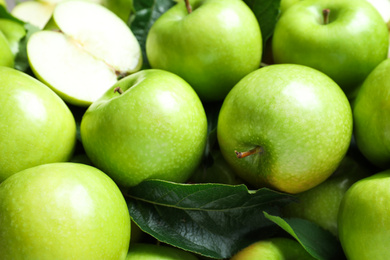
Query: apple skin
(6, 55)
(347, 49)
(4, 3)
(211, 48)
(144, 251)
(274, 249)
(364, 218)
(62, 211)
(156, 129)
(371, 115)
(321, 203)
(300, 118)
(14, 32)
(36, 126)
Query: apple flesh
(149, 125)
(62, 211)
(211, 48)
(282, 131)
(83, 51)
(36, 126)
(346, 42)
(274, 248)
(364, 218)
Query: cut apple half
(83, 51)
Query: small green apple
(6, 55)
(150, 124)
(278, 248)
(344, 39)
(143, 251)
(83, 51)
(371, 114)
(36, 126)
(14, 32)
(321, 203)
(286, 127)
(62, 211)
(211, 48)
(364, 218)
(218, 172)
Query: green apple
(286, 127)
(83, 51)
(62, 211)
(150, 124)
(364, 218)
(285, 4)
(36, 126)
(14, 32)
(278, 248)
(344, 39)
(211, 48)
(218, 172)
(321, 203)
(39, 12)
(144, 251)
(6, 55)
(383, 7)
(371, 114)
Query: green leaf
(318, 242)
(6, 15)
(21, 59)
(146, 13)
(213, 220)
(266, 12)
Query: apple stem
(326, 13)
(257, 149)
(119, 90)
(188, 6)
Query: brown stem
(257, 149)
(326, 13)
(119, 90)
(188, 6)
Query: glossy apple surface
(364, 218)
(371, 115)
(62, 211)
(155, 129)
(295, 120)
(36, 126)
(143, 251)
(274, 249)
(211, 48)
(346, 46)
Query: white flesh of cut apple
(83, 59)
(34, 12)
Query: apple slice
(86, 51)
(35, 12)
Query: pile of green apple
(98, 110)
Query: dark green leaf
(320, 243)
(6, 15)
(146, 13)
(21, 60)
(213, 220)
(266, 12)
